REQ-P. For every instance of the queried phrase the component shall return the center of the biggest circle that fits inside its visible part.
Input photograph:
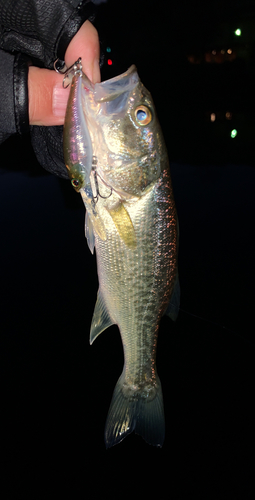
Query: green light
(233, 133)
(108, 49)
(238, 32)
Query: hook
(61, 68)
(95, 198)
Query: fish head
(126, 138)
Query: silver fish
(117, 159)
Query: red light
(109, 62)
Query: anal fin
(101, 319)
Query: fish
(117, 160)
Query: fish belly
(136, 285)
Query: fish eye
(143, 115)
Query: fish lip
(130, 70)
(112, 88)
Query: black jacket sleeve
(42, 29)
(7, 116)
(35, 32)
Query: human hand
(47, 97)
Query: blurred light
(233, 133)
(108, 49)
(222, 51)
(229, 51)
(109, 62)
(213, 117)
(228, 115)
(238, 32)
(214, 52)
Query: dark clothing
(35, 32)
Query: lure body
(77, 142)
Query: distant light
(238, 32)
(229, 51)
(222, 51)
(228, 115)
(109, 62)
(214, 52)
(213, 117)
(108, 49)
(233, 133)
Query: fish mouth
(114, 87)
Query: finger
(46, 96)
(85, 44)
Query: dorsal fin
(173, 307)
(101, 319)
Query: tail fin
(143, 415)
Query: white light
(213, 117)
(238, 32)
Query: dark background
(55, 387)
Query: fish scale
(130, 283)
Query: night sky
(56, 388)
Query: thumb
(46, 96)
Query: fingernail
(59, 100)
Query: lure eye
(75, 183)
(77, 174)
(143, 115)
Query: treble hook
(95, 198)
(61, 68)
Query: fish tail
(144, 415)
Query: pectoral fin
(101, 319)
(123, 224)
